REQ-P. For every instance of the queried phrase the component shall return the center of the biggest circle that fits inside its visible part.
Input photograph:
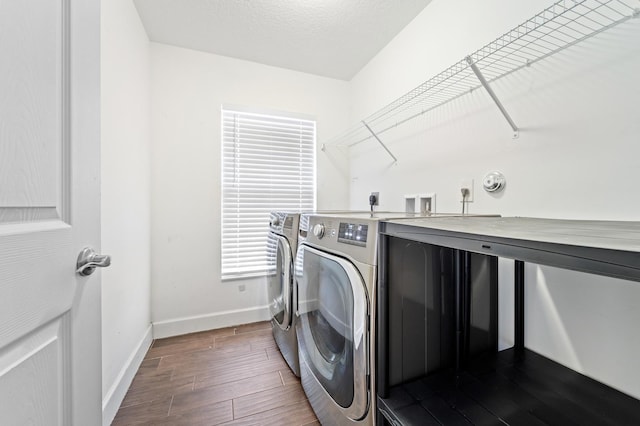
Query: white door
(50, 346)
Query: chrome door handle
(89, 260)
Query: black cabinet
(437, 356)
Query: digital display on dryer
(353, 233)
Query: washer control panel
(353, 233)
(318, 230)
(351, 236)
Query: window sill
(248, 275)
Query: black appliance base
(514, 387)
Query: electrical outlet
(377, 201)
(466, 183)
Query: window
(268, 164)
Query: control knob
(275, 221)
(318, 230)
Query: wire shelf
(561, 25)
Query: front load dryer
(282, 244)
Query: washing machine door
(279, 280)
(332, 328)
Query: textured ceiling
(332, 38)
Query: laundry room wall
(188, 89)
(577, 157)
(125, 177)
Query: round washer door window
(279, 280)
(332, 308)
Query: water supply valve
(494, 182)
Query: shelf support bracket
(485, 84)
(519, 305)
(395, 160)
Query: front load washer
(335, 280)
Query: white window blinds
(268, 164)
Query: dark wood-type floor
(231, 376)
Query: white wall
(188, 90)
(577, 157)
(125, 198)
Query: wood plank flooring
(230, 376)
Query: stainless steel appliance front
(281, 246)
(278, 280)
(333, 341)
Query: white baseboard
(114, 397)
(178, 326)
